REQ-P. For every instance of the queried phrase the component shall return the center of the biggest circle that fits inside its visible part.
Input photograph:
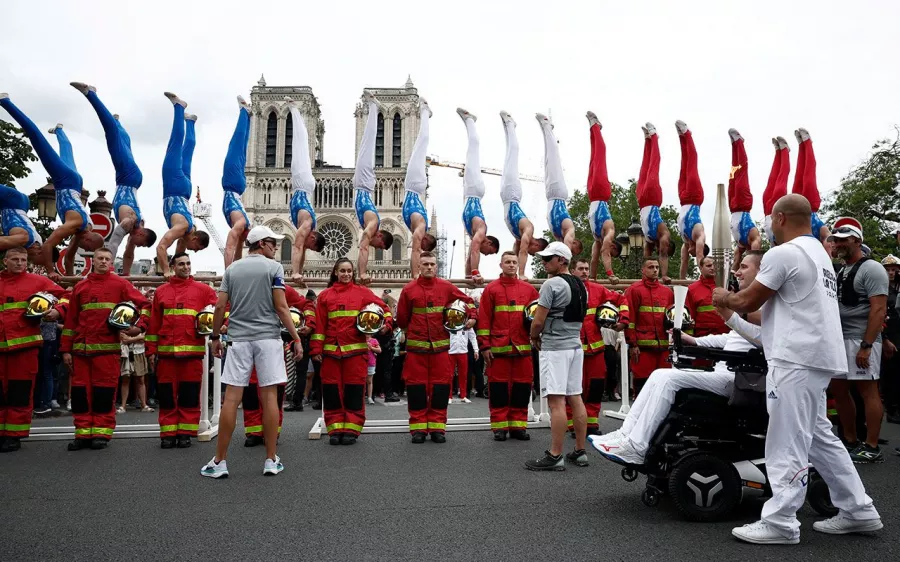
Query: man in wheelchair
(629, 444)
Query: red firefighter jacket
(699, 304)
(420, 312)
(16, 331)
(85, 331)
(173, 326)
(647, 302)
(591, 336)
(501, 317)
(336, 310)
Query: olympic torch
(721, 237)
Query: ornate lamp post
(625, 243)
(101, 204)
(635, 235)
(46, 201)
(85, 194)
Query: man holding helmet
(21, 293)
(181, 319)
(101, 305)
(503, 340)
(426, 308)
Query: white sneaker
(54, 404)
(369, 97)
(651, 129)
(213, 470)
(592, 119)
(542, 119)
(842, 525)
(782, 144)
(507, 118)
(616, 435)
(4, 96)
(243, 103)
(423, 106)
(621, 451)
(463, 114)
(82, 87)
(175, 99)
(761, 533)
(681, 127)
(371, 401)
(466, 400)
(271, 468)
(190, 117)
(801, 134)
(69, 405)
(736, 136)
(450, 401)
(52, 130)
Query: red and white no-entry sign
(103, 225)
(82, 263)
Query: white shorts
(266, 355)
(370, 371)
(561, 372)
(873, 373)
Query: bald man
(802, 339)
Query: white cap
(258, 233)
(556, 249)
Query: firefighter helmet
(890, 259)
(40, 304)
(607, 315)
(298, 320)
(123, 316)
(529, 312)
(669, 319)
(204, 320)
(455, 316)
(370, 319)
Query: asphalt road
(382, 499)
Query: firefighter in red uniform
(427, 372)
(178, 350)
(20, 343)
(699, 302)
(345, 352)
(96, 349)
(647, 339)
(505, 344)
(253, 426)
(594, 368)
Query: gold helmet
(455, 316)
(40, 304)
(370, 319)
(607, 315)
(299, 321)
(890, 259)
(123, 316)
(204, 320)
(669, 320)
(529, 312)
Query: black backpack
(577, 307)
(846, 294)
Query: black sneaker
(419, 437)
(547, 462)
(293, 407)
(851, 446)
(348, 440)
(316, 405)
(866, 454)
(167, 443)
(578, 457)
(438, 437)
(334, 439)
(98, 443)
(79, 444)
(10, 445)
(183, 441)
(42, 410)
(253, 441)
(499, 435)
(594, 431)
(520, 435)
(392, 398)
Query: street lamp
(46, 201)
(84, 196)
(625, 243)
(101, 204)
(635, 235)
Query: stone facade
(268, 173)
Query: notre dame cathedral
(269, 175)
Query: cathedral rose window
(338, 240)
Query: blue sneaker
(214, 469)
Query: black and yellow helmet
(529, 311)
(204, 321)
(40, 304)
(299, 321)
(370, 319)
(669, 319)
(455, 316)
(123, 316)
(607, 315)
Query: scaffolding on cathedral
(440, 234)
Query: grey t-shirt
(555, 295)
(871, 280)
(249, 283)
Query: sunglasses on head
(845, 230)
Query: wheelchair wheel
(819, 497)
(651, 497)
(704, 487)
(629, 474)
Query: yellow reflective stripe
(329, 347)
(518, 424)
(348, 347)
(651, 309)
(332, 427)
(707, 308)
(631, 326)
(317, 337)
(151, 338)
(508, 348)
(253, 429)
(592, 420)
(188, 426)
(482, 332)
(342, 313)
(387, 314)
(179, 312)
(623, 307)
(353, 426)
(101, 431)
(20, 341)
(470, 305)
(97, 347)
(309, 313)
(509, 308)
(83, 431)
(98, 305)
(63, 301)
(590, 311)
(593, 345)
(653, 342)
(68, 332)
(180, 348)
(426, 344)
(145, 312)
(417, 426)
(525, 347)
(428, 310)
(500, 425)
(13, 305)
(18, 427)
(435, 425)
(167, 428)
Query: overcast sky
(764, 67)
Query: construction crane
(202, 211)
(436, 161)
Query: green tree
(623, 207)
(870, 193)
(15, 154)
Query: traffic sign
(103, 225)
(82, 263)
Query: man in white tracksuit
(802, 340)
(630, 443)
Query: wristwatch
(214, 338)
(865, 345)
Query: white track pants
(416, 179)
(473, 184)
(364, 175)
(799, 434)
(510, 184)
(656, 397)
(301, 165)
(554, 179)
